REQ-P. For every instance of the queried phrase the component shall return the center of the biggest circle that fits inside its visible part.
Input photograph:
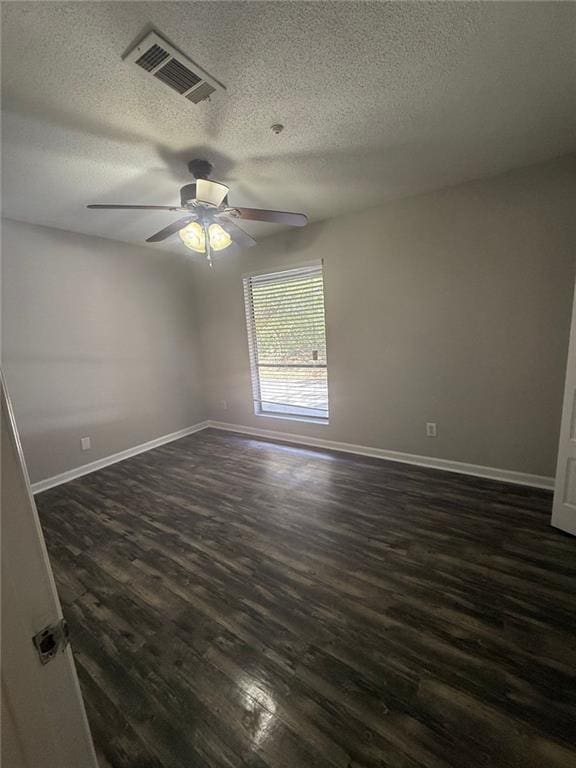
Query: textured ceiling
(379, 100)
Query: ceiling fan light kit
(194, 237)
(208, 225)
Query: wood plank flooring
(237, 603)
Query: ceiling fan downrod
(200, 169)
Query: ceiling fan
(207, 225)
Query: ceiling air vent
(200, 93)
(160, 59)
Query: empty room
(288, 384)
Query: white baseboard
(85, 469)
(446, 465)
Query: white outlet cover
(86, 443)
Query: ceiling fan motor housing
(188, 194)
(200, 169)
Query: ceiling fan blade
(171, 229)
(237, 234)
(210, 191)
(275, 217)
(137, 207)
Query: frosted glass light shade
(193, 237)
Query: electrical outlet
(86, 443)
(431, 429)
(224, 405)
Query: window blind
(287, 342)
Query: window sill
(290, 417)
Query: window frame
(257, 401)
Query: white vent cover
(160, 59)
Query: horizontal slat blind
(287, 342)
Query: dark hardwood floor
(241, 603)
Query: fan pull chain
(207, 245)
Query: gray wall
(451, 307)
(99, 339)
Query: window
(287, 343)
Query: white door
(43, 718)
(564, 510)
